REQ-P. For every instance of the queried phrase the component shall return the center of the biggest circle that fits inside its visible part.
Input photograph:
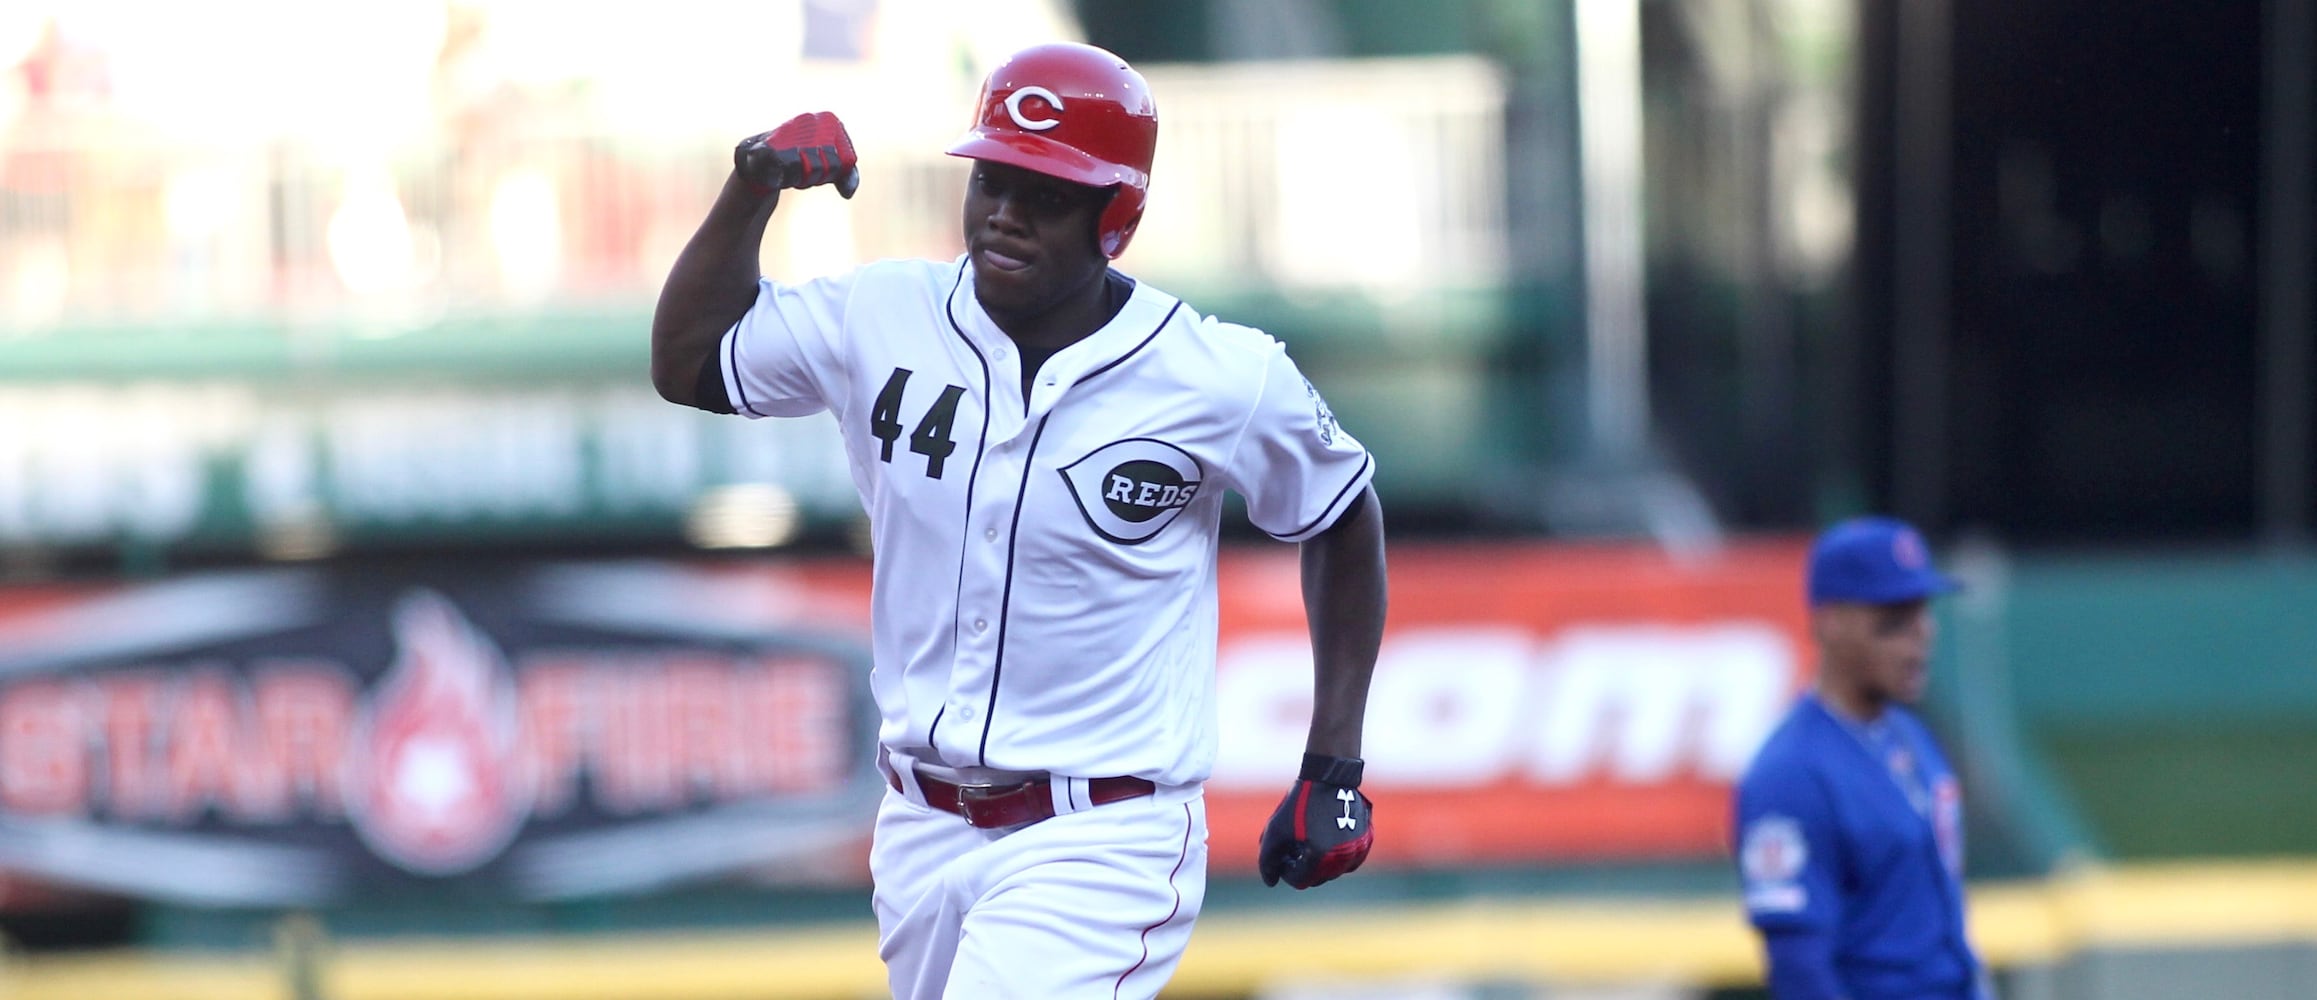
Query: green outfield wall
(2175, 696)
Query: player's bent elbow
(677, 359)
(674, 385)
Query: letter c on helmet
(1014, 108)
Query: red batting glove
(806, 151)
(1322, 829)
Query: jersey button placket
(981, 593)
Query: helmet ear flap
(1119, 219)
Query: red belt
(991, 806)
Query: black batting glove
(806, 151)
(1321, 829)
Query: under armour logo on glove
(1300, 846)
(806, 151)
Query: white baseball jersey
(1044, 593)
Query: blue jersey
(1850, 847)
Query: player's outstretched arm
(713, 282)
(710, 287)
(1322, 829)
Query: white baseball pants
(1091, 904)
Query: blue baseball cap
(1873, 560)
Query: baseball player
(1042, 444)
(1849, 821)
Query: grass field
(2231, 789)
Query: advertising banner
(1532, 703)
(293, 737)
(542, 730)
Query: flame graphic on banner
(435, 790)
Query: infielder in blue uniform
(1849, 820)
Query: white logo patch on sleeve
(1771, 855)
(1131, 489)
(1320, 413)
(1773, 849)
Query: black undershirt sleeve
(708, 390)
(1359, 500)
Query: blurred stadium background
(369, 630)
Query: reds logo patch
(1129, 490)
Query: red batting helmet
(1075, 112)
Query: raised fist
(806, 151)
(1321, 829)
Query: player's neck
(1070, 319)
(1848, 701)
